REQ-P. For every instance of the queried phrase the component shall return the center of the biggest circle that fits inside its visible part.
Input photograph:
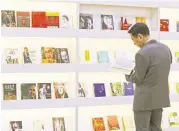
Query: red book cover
(164, 25)
(52, 19)
(125, 24)
(39, 20)
(23, 19)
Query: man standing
(152, 67)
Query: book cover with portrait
(48, 55)
(44, 90)
(39, 125)
(28, 91)
(58, 124)
(62, 55)
(10, 91)
(29, 55)
(23, 19)
(8, 18)
(11, 55)
(60, 90)
(16, 126)
(53, 20)
(66, 20)
(86, 21)
(107, 22)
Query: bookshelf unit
(74, 109)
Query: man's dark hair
(139, 28)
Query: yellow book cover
(140, 20)
(50, 13)
(87, 55)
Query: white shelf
(38, 104)
(40, 68)
(171, 129)
(72, 102)
(169, 35)
(38, 32)
(146, 3)
(59, 32)
(101, 101)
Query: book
(16, 126)
(128, 89)
(116, 89)
(58, 124)
(52, 19)
(10, 91)
(177, 26)
(177, 56)
(86, 21)
(177, 87)
(66, 21)
(8, 18)
(128, 122)
(98, 124)
(126, 23)
(164, 25)
(23, 19)
(99, 89)
(39, 19)
(62, 55)
(173, 119)
(60, 90)
(81, 91)
(140, 20)
(103, 57)
(28, 91)
(113, 124)
(38, 125)
(44, 90)
(11, 55)
(107, 22)
(29, 55)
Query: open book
(123, 63)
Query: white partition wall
(68, 84)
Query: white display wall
(78, 112)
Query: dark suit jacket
(151, 76)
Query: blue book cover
(103, 57)
(99, 89)
(128, 89)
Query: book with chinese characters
(164, 25)
(10, 91)
(23, 19)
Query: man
(152, 67)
